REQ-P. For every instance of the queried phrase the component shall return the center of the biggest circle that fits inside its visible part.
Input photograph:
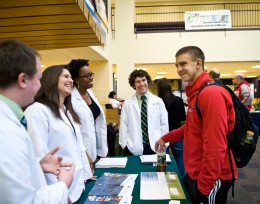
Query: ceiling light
(158, 77)
(226, 74)
(250, 76)
(42, 66)
(161, 72)
(240, 71)
(256, 67)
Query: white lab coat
(114, 103)
(47, 132)
(21, 178)
(94, 133)
(130, 132)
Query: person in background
(176, 118)
(242, 90)
(93, 122)
(112, 100)
(21, 173)
(206, 156)
(52, 121)
(215, 74)
(134, 136)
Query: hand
(66, 174)
(50, 163)
(69, 201)
(93, 178)
(159, 144)
(91, 164)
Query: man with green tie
(143, 117)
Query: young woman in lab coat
(52, 122)
(93, 123)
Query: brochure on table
(160, 186)
(111, 162)
(112, 188)
(108, 200)
(147, 159)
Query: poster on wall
(214, 19)
(101, 9)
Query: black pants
(147, 150)
(218, 194)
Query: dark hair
(214, 74)
(75, 66)
(111, 94)
(164, 91)
(138, 73)
(49, 94)
(16, 58)
(194, 52)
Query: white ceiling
(63, 56)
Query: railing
(160, 17)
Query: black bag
(242, 151)
(111, 139)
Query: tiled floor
(247, 186)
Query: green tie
(144, 124)
(24, 122)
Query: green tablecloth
(134, 166)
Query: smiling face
(85, 78)
(141, 85)
(65, 83)
(187, 68)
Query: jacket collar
(194, 88)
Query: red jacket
(242, 90)
(205, 145)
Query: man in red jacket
(206, 160)
(242, 90)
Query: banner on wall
(214, 19)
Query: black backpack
(241, 150)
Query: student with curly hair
(143, 117)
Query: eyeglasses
(88, 75)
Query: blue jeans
(177, 151)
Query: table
(134, 166)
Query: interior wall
(129, 49)
(101, 79)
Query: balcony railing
(170, 18)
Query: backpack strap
(209, 83)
